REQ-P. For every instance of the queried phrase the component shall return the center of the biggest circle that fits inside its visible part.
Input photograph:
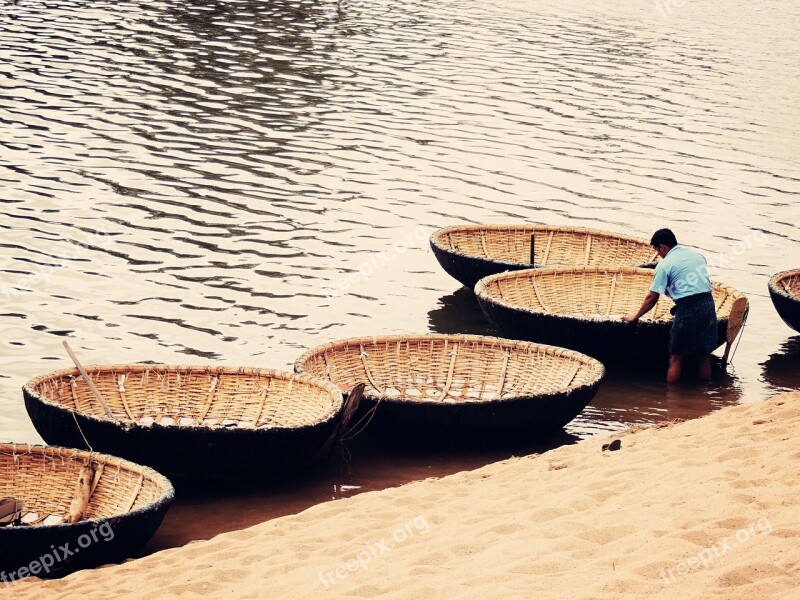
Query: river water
(236, 181)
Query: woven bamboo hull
(468, 270)
(608, 341)
(788, 306)
(458, 388)
(181, 453)
(788, 309)
(87, 543)
(507, 248)
(19, 546)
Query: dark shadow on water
(459, 312)
(782, 368)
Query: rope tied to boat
(351, 432)
(449, 381)
(503, 370)
(741, 334)
(363, 356)
(78, 425)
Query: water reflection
(640, 396)
(782, 368)
(459, 312)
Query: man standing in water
(682, 275)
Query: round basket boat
(77, 509)
(189, 422)
(459, 386)
(581, 308)
(784, 289)
(471, 252)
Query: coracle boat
(189, 422)
(784, 289)
(471, 252)
(582, 308)
(457, 387)
(75, 509)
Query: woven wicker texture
(787, 283)
(450, 368)
(784, 290)
(593, 293)
(553, 246)
(45, 478)
(193, 396)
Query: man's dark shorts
(694, 327)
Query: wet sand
(703, 509)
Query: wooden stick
(88, 381)
(533, 249)
(611, 295)
(588, 250)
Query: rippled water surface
(194, 182)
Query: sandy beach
(701, 509)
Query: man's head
(663, 241)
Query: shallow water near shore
(235, 182)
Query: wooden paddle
(83, 492)
(350, 407)
(736, 320)
(10, 510)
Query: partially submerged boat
(74, 509)
(471, 252)
(197, 422)
(784, 289)
(459, 386)
(582, 308)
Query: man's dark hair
(663, 236)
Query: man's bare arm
(648, 304)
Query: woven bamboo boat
(784, 289)
(471, 252)
(122, 506)
(459, 386)
(189, 422)
(581, 308)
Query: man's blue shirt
(681, 273)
